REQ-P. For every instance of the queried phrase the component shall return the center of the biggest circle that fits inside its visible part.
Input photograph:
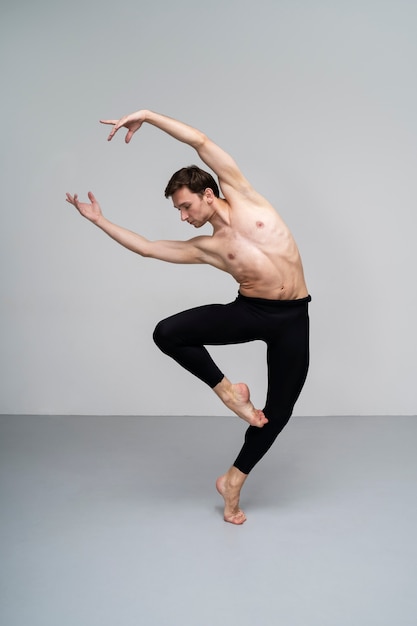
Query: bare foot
(237, 398)
(230, 494)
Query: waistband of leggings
(275, 303)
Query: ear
(209, 195)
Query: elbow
(200, 140)
(146, 254)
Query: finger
(70, 198)
(113, 132)
(131, 132)
(116, 126)
(91, 196)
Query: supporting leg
(229, 487)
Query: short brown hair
(196, 179)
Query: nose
(184, 216)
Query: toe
(237, 518)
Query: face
(194, 208)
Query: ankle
(235, 478)
(223, 389)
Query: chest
(248, 236)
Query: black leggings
(282, 324)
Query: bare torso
(254, 245)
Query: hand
(91, 212)
(132, 122)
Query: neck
(221, 214)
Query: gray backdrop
(316, 101)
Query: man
(251, 242)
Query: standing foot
(237, 398)
(229, 488)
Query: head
(196, 179)
(193, 193)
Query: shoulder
(244, 198)
(206, 244)
(208, 249)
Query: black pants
(282, 324)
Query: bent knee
(164, 335)
(159, 334)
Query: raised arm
(171, 251)
(213, 156)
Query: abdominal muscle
(261, 277)
(278, 288)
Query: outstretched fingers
(117, 124)
(90, 210)
(115, 128)
(72, 199)
(75, 202)
(132, 122)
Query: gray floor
(115, 520)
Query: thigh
(288, 360)
(213, 324)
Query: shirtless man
(251, 242)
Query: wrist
(100, 222)
(147, 115)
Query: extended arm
(213, 156)
(171, 251)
